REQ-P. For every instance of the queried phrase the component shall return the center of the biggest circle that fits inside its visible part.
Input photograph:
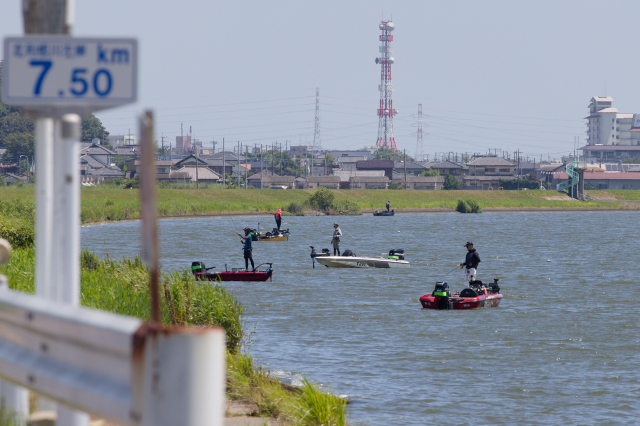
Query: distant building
(611, 134)
(183, 145)
(358, 153)
(301, 150)
(386, 165)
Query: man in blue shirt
(248, 256)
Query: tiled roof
(375, 164)
(410, 165)
(97, 150)
(259, 175)
(491, 161)
(420, 179)
(368, 179)
(323, 179)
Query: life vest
(278, 214)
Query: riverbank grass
(111, 203)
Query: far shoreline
(400, 211)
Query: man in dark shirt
(388, 205)
(471, 262)
(248, 249)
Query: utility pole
(197, 183)
(224, 164)
(405, 169)
(261, 168)
(162, 139)
(238, 165)
(518, 170)
(246, 166)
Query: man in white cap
(335, 241)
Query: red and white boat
(235, 274)
(477, 295)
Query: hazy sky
(490, 74)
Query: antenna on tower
(419, 145)
(386, 138)
(317, 140)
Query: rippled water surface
(562, 348)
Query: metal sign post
(113, 366)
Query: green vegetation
(307, 406)
(431, 172)
(531, 181)
(121, 286)
(124, 203)
(450, 182)
(394, 185)
(389, 154)
(321, 199)
(468, 206)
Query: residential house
(163, 168)
(330, 182)
(444, 167)
(385, 165)
(419, 182)
(346, 175)
(189, 172)
(256, 179)
(279, 182)
(491, 166)
(99, 152)
(374, 182)
(11, 178)
(358, 153)
(214, 164)
(411, 168)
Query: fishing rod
(457, 267)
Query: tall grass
(309, 405)
(120, 286)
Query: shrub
(350, 209)
(395, 185)
(321, 199)
(296, 209)
(468, 206)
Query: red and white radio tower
(386, 112)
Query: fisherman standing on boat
(278, 216)
(388, 205)
(335, 241)
(471, 262)
(248, 255)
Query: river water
(562, 347)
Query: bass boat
(235, 274)
(384, 213)
(274, 235)
(477, 295)
(395, 259)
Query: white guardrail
(111, 366)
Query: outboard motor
(274, 231)
(198, 267)
(255, 235)
(441, 293)
(314, 254)
(494, 288)
(348, 253)
(397, 254)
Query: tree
(18, 144)
(12, 121)
(431, 172)
(329, 159)
(92, 128)
(450, 182)
(389, 154)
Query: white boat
(394, 260)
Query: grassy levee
(121, 286)
(110, 203)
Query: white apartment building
(610, 132)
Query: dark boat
(477, 295)
(384, 213)
(235, 274)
